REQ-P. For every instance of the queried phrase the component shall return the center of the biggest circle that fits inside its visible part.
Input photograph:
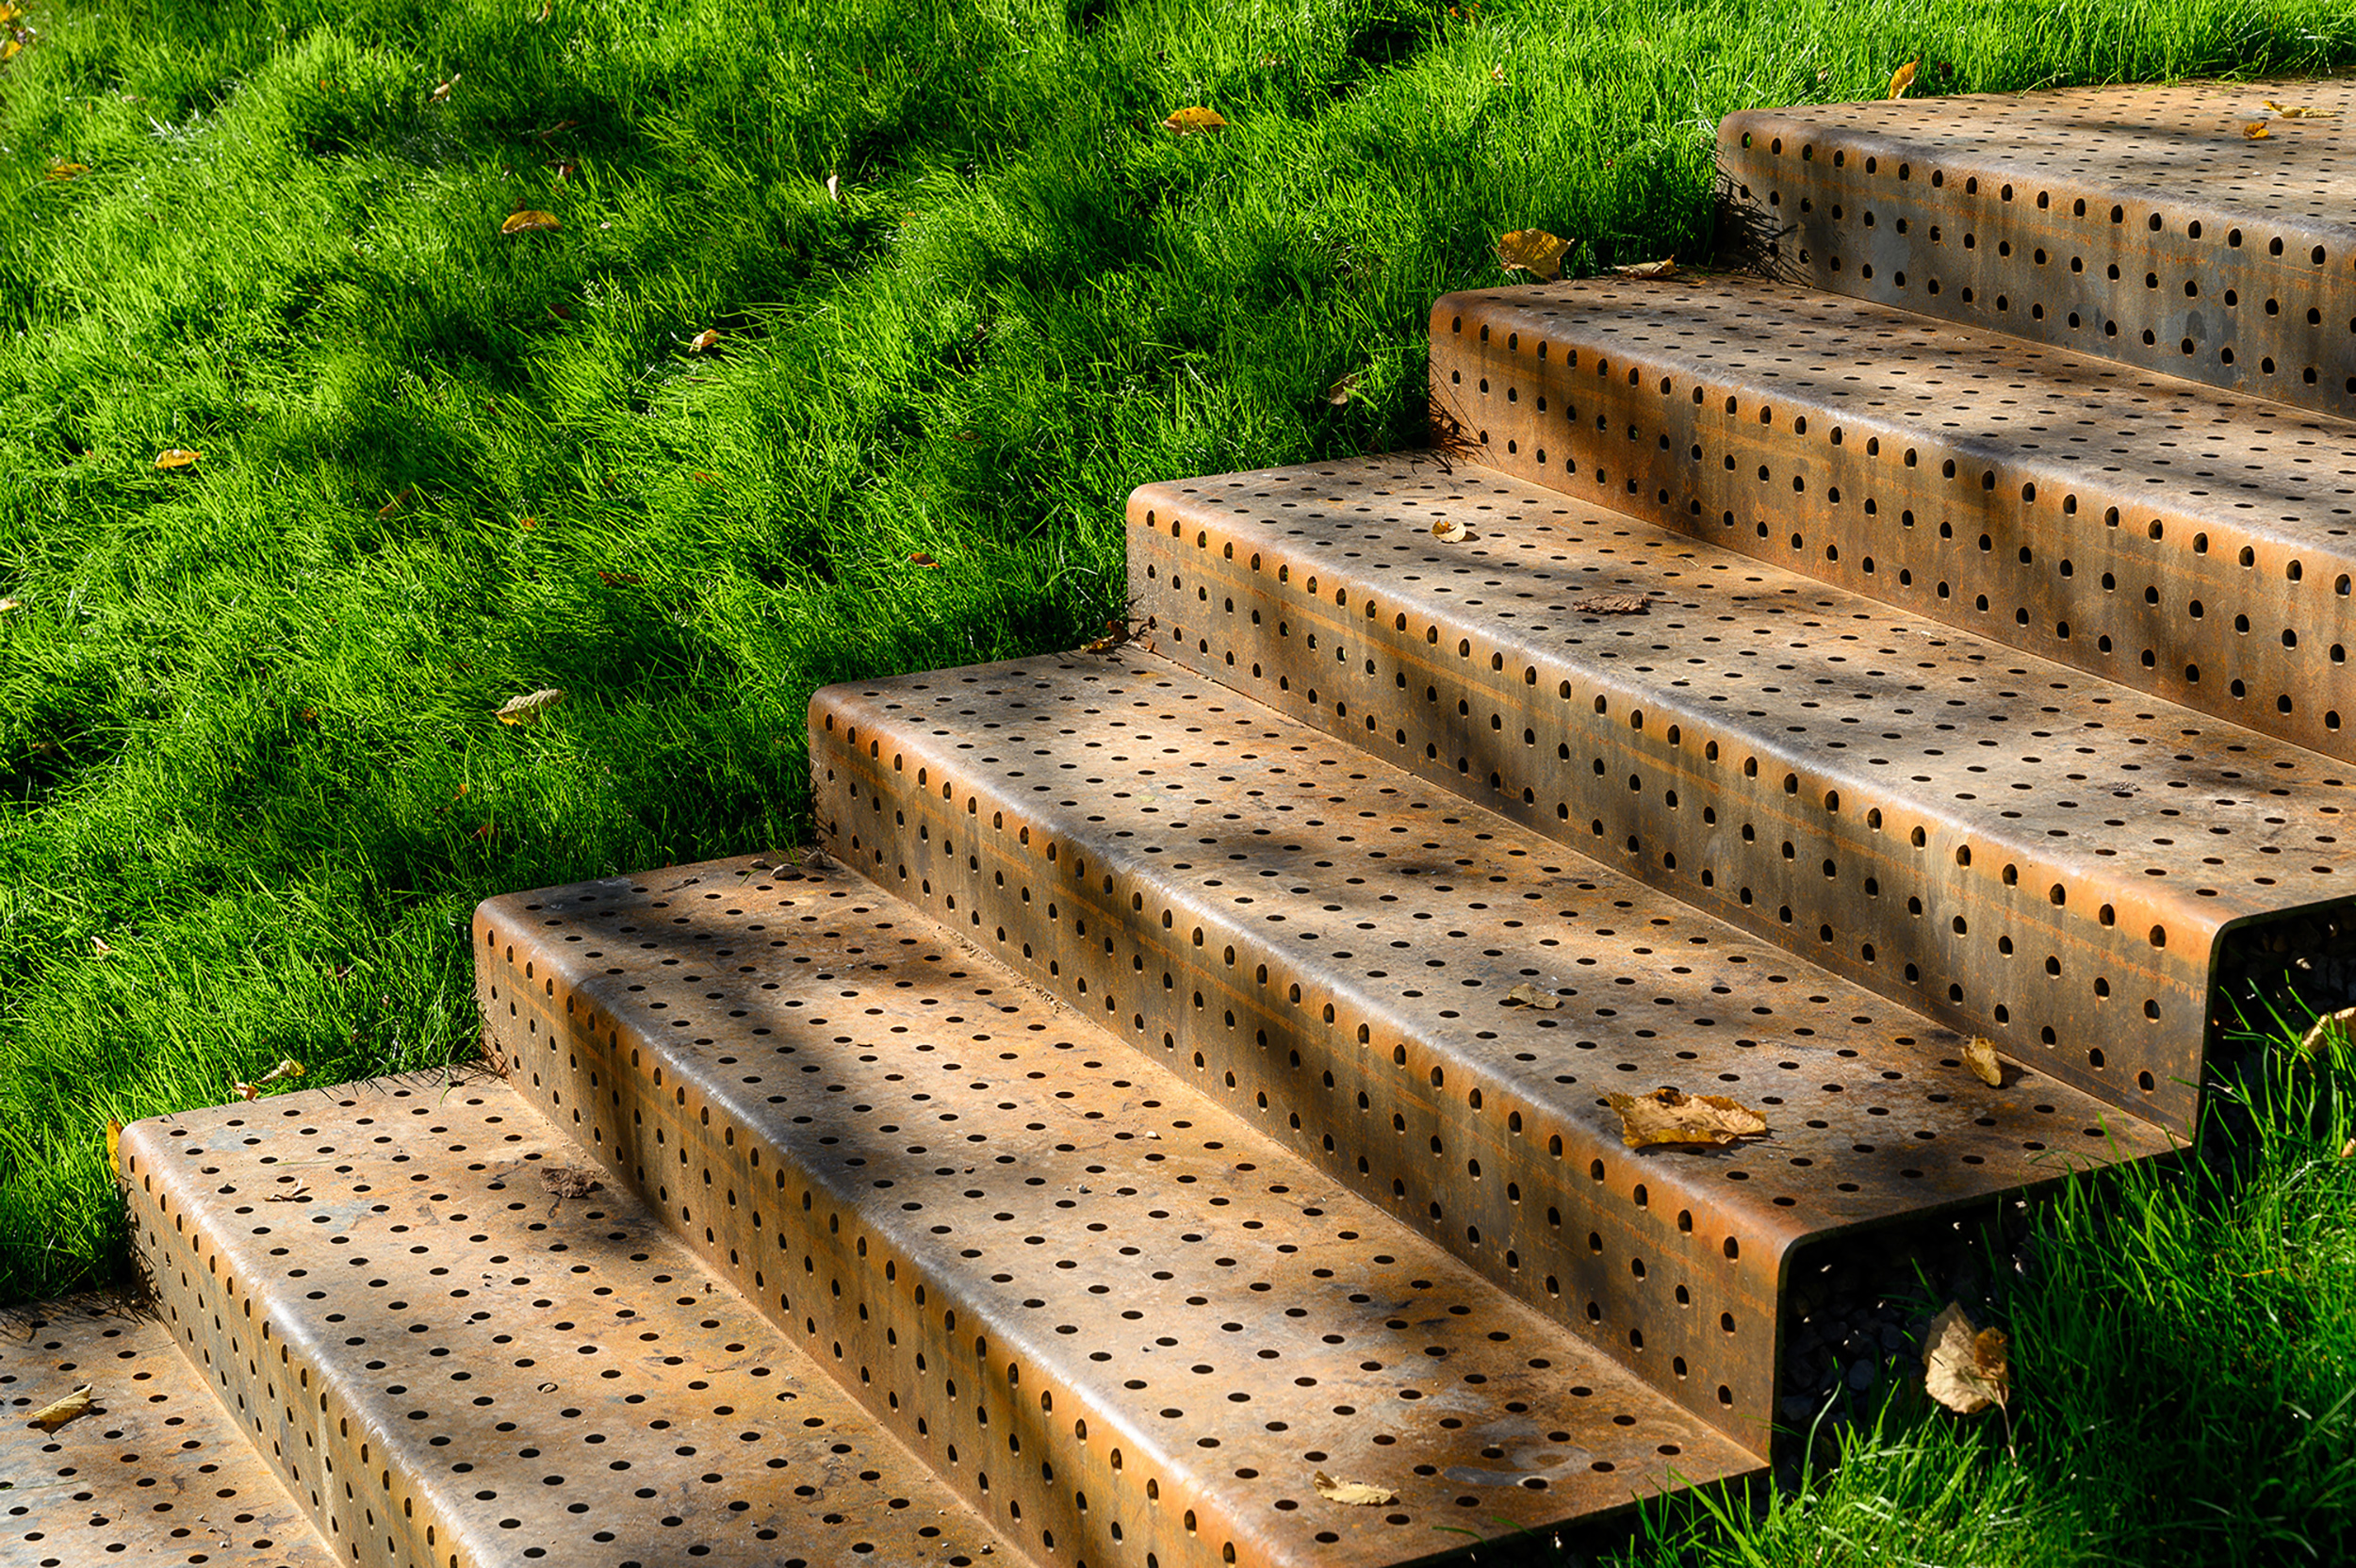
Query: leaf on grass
(58, 1412)
(1448, 531)
(1649, 271)
(13, 48)
(619, 580)
(527, 707)
(2256, 130)
(528, 221)
(918, 558)
(1529, 995)
(101, 946)
(1187, 122)
(2348, 1150)
(567, 1183)
(286, 1068)
(1964, 1368)
(61, 170)
(1612, 604)
(2296, 112)
(1980, 1056)
(1903, 79)
(704, 340)
(2326, 1027)
(834, 187)
(1339, 392)
(177, 457)
(393, 507)
(114, 1139)
(9, 607)
(1352, 1493)
(1669, 1115)
(441, 94)
(546, 7)
(1534, 252)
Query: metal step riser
(2098, 271)
(2141, 589)
(1920, 907)
(1335, 1080)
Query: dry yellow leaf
(1187, 122)
(1669, 1116)
(1530, 996)
(2348, 1150)
(1534, 252)
(442, 92)
(58, 1412)
(177, 457)
(1964, 1368)
(526, 220)
(527, 707)
(9, 607)
(2256, 130)
(1352, 1493)
(2326, 1027)
(2295, 112)
(1339, 392)
(1648, 271)
(13, 48)
(920, 559)
(703, 340)
(9, 12)
(1448, 531)
(114, 1140)
(61, 170)
(834, 187)
(1903, 79)
(1980, 1056)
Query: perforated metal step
(2017, 848)
(1131, 1329)
(1327, 946)
(154, 1473)
(2176, 539)
(2142, 223)
(458, 1353)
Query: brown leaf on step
(1669, 1115)
(531, 706)
(61, 170)
(1534, 252)
(1980, 1056)
(2331, 1025)
(1339, 392)
(919, 558)
(1189, 121)
(1529, 995)
(704, 340)
(567, 1183)
(393, 506)
(1964, 1368)
(1903, 79)
(58, 1412)
(528, 221)
(2295, 112)
(292, 1195)
(441, 94)
(817, 862)
(1612, 604)
(1352, 1493)
(1649, 271)
(177, 457)
(1448, 531)
(2256, 130)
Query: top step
(2039, 215)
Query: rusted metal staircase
(1137, 1109)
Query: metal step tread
(2169, 535)
(450, 1360)
(2142, 223)
(1184, 1322)
(154, 1473)
(2026, 851)
(1328, 944)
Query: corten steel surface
(2165, 535)
(2022, 850)
(2134, 222)
(451, 1365)
(1129, 1328)
(1325, 944)
(154, 1474)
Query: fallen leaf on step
(1448, 531)
(1903, 79)
(567, 1183)
(1529, 995)
(817, 862)
(1649, 271)
(1339, 392)
(2295, 112)
(61, 170)
(57, 1414)
(1669, 1116)
(441, 94)
(2329, 1026)
(2256, 130)
(1188, 121)
(1980, 1056)
(1352, 1493)
(528, 221)
(703, 340)
(527, 707)
(177, 457)
(1612, 604)
(1534, 252)
(295, 1195)
(1964, 1368)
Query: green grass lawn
(250, 782)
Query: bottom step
(154, 1473)
(460, 1348)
